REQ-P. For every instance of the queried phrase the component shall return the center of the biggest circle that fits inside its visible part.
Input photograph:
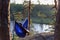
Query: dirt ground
(41, 36)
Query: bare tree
(57, 27)
(4, 20)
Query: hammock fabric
(21, 29)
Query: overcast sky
(34, 1)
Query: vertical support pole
(4, 19)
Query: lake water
(37, 27)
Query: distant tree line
(39, 13)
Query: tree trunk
(57, 27)
(4, 21)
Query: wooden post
(57, 27)
(4, 20)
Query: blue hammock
(21, 31)
(25, 23)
